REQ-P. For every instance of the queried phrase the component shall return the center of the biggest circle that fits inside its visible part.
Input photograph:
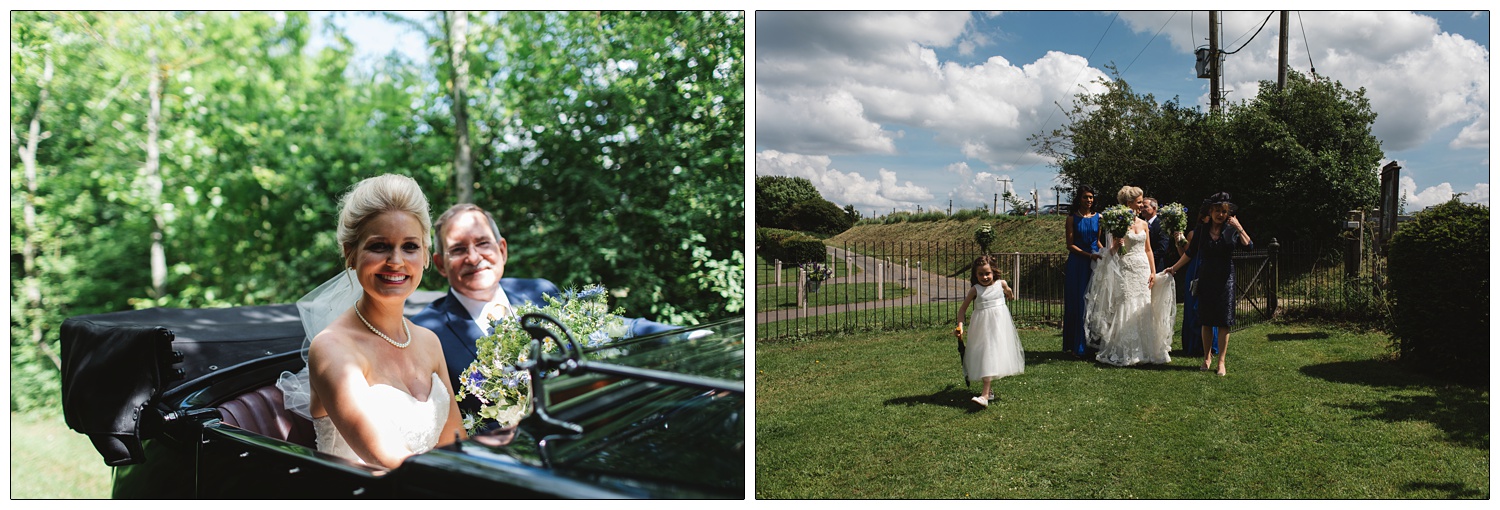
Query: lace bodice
(416, 423)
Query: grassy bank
(1306, 412)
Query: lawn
(49, 461)
(1306, 411)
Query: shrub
(818, 215)
(788, 246)
(1439, 283)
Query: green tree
(1295, 160)
(775, 195)
(622, 149)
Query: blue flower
(597, 337)
(591, 292)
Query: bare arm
(1010, 295)
(962, 311)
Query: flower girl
(994, 348)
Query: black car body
(183, 404)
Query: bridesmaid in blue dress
(1192, 337)
(1216, 241)
(1082, 237)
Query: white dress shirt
(499, 306)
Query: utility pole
(1281, 54)
(1213, 65)
(1006, 181)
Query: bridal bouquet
(1174, 220)
(1116, 221)
(817, 272)
(506, 396)
(984, 235)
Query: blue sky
(895, 110)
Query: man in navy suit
(471, 254)
(1158, 236)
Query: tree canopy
(1295, 160)
(609, 146)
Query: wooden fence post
(849, 266)
(801, 288)
(778, 271)
(879, 282)
(1015, 274)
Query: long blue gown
(1076, 284)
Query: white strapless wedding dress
(398, 416)
(1129, 322)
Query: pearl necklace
(398, 345)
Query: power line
(1075, 78)
(1257, 32)
(1148, 43)
(1307, 46)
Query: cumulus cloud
(843, 188)
(1418, 78)
(841, 83)
(1433, 195)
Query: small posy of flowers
(505, 395)
(984, 235)
(1174, 220)
(1116, 220)
(817, 272)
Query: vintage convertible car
(183, 404)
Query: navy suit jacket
(1158, 243)
(457, 332)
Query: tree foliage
(609, 146)
(1295, 160)
(1439, 267)
(776, 194)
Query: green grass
(772, 298)
(1307, 411)
(765, 272)
(49, 461)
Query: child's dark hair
(983, 260)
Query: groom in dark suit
(471, 254)
(1158, 236)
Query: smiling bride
(373, 385)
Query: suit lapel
(461, 325)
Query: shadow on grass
(1447, 490)
(950, 396)
(1460, 412)
(1282, 337)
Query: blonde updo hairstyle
(376, 195)
(1128, 195)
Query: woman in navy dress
(1082, 238)
(1216, 242)
(1192, 338)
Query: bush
(818, 215)
(1439, 283)
(790, 247)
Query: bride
(1129, 307)
(373, 385)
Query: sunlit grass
(1306, 412)
(49, 461)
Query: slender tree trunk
(463, 159)
(32, 304)
(154, 181)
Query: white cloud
(887, 191)
(891, 77)
(1418, 78)
(1433, 195)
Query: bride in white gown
(1129, 307)
(372, 386)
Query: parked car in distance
(1057, 209)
